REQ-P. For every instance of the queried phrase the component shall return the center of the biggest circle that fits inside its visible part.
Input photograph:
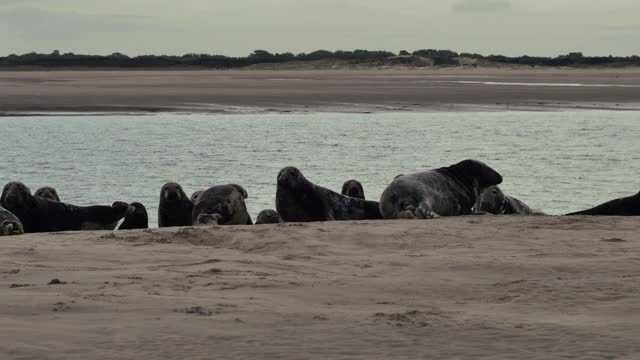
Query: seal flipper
(423, 211)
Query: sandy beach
(341, 90)
(453, 288)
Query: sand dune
(346, 90)
(457, 288)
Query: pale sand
(260, 91)
(455, 288)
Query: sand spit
(468, 287)
(301, 91)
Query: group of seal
(220, 205)
(39, 214)
(21, 212)
(299, 200)
(447, 191)
(468, 187)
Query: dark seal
(269, 216)
(299, 200)
(9, 223)
(353, 188)
(494, 201)
(136, 217)
(175, 207)
(627, 206)
(222, 205)
(44, 215)
(448, 191)
(47, 192)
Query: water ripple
(554, 161)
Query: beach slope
(468, 287)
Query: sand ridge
(469, 287)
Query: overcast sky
(236, 27)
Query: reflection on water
(555, 162)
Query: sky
(237, 27)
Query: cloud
(480, 6)
(623, 28)
(43, 23)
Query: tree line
(439, 57)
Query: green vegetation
(438, 57)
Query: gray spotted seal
(447, 191)
(47, 192)
(195, 197)
(44, 215)
(222, 205)
(269, 216)
(9, 223)
(494, 201)
(299, 200)
(626, 206)
(135, 218)
(353, 188)
(175, 207)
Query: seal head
(353, 188)
(47, 192)
(268, 217)
(222, 205)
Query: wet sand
(258, 91)
(452, 288)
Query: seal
(494, 201)
(175, 207)
(353, 188)
(222, 205)
(299, 200)
(269, 216)
(44, 215)
(136, 217)
(9, 223)
(447, 191)
(626, 206)
(195, 197)
(47, 192)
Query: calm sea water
(556, 162)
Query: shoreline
(258, 112)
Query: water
(556, 162)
